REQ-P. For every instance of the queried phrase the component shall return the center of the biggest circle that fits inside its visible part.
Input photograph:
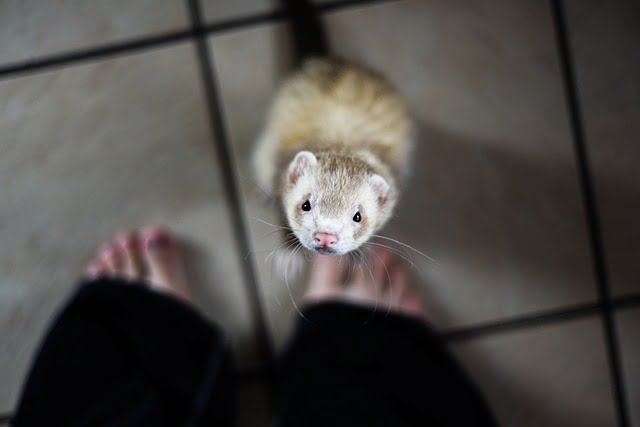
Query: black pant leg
(348, 366)
(120, 354)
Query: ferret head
(335, 203)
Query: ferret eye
(357, 217)
(306, 206)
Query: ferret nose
(326, 239)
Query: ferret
(335, 146)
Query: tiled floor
(106, 123)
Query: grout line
(101, 52)
(232, 189)
(342, 4)
(280, 15)
(113, 49)
(627, 301)
(539, 318)
(234, 24)
(521, 322)
(590, 207)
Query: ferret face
(335, 206)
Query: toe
(155, 236)
(399, 285)
(327, 272)
(412, 303)
(110, 257)
(96, 269)
(361, 278)
(382, 262)
(164, 265)
(360, 287)
(129, 245)
(158, 248)
(393, 293)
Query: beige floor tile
(88, 151)
(30, 29)
(604, 38)
(629, 337)
(548, 376)
(494, 196)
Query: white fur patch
(302, 164)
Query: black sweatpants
(122, 355)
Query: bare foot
(383, 283)
(151, 256)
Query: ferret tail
(309, 34)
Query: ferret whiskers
(352, 265)
(406, 246)
(270, 224)
(278, 228)
(266, 195)
(286, 281)
(384, 264)
(288, 240)
(306, 255)
(393, 250)
(291, 241)
(375, 291)
(273, 232)
(294, 220)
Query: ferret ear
(300, 165)
(380, 187)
